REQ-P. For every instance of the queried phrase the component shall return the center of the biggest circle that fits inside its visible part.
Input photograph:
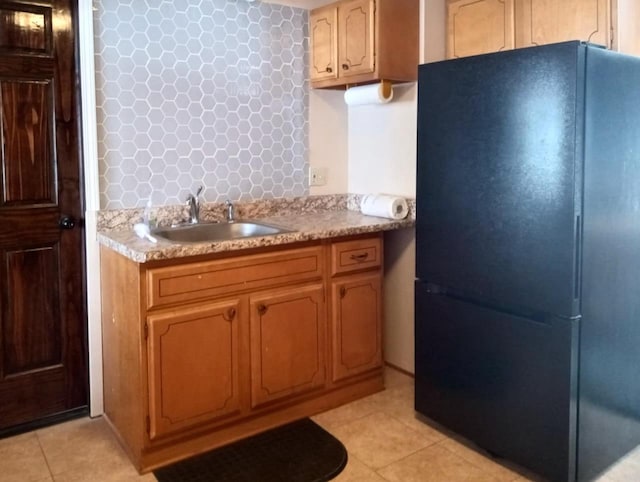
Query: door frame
(90, 166)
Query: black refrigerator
(527, 296)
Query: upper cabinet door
(356, 37)
(323, 24)
(479, 26)
(542, 22)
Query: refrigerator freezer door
(499, 161)
(504, 382)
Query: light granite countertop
(305, 227)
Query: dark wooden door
(43, 354)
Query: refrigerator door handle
(577, 264)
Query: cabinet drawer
(356, 255)
(200, 281)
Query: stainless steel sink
(204, 232)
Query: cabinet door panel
(479, 27)
(287, 343)
(193, 366)
(540, 22)
(323, 24)
(356, 34)
(357, 328)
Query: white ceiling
(308, 4)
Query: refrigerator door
(505, 382)
(498, 179)
(610, 335)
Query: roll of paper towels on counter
(369, 94)
(384, 206)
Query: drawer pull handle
(359, 257)
(262, 309)
(343, 292)
(230, 315)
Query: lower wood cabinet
(356, 324)
(288, 330)
(201, 352)
(194, 366)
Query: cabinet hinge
(611, 39)
(146, 330)
(148, 425)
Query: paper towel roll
(369, 94)
(384, 206)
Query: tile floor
(386, 443)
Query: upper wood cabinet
(477, 27)
(355, 34)
(540, 22)
(484, 26)
(323, 32)
(362, 41)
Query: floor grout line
(488, 458)
(46, 460)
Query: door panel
(25, 28)
(498, 181)
(31, 337)
(506, 382)
(27, 108)
(43, 354)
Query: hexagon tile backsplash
(210, 92)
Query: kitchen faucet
(194, 206)
(230, 214)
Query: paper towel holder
(373, 93)
(387, 87)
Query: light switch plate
(318, 176)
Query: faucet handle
(191, 198)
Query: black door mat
(301, 451)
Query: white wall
(627, 24)
(328, 129)
(382, 158)
(308, 4)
